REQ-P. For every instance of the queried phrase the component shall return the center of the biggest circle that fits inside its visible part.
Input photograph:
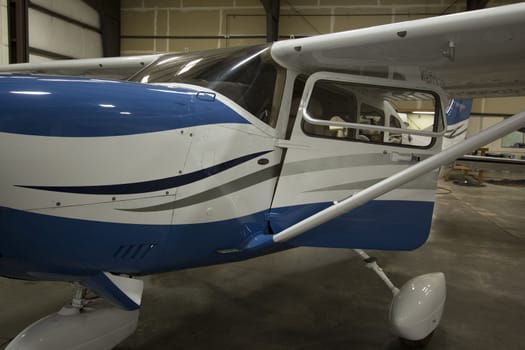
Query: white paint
(131, 287)
(59, 161)
(105, 67)
(99, 327)
(416, 310)
(125, 159)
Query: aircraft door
(351, 132)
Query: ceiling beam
(476, 4)
(272, 8)
(18, 32)
(109, 14)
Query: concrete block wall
(4, 43)
(150, 26)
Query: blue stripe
(72, 247)
(78, 107)
(153, 185)
(379, 224)
(43, 244)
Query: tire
(416, 344)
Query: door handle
(399, 157)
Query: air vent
(133, 251)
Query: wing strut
(338, 208)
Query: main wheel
(416, 344)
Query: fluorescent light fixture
(106, 105)
(423, 112)
(34, 93)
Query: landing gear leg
(416, 307)
(371, 263)
(77, 303)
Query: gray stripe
(326, 163)
(422, 183)
(349, 186)
(455, 132)
(223, 190)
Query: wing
(108, 67)
(471, 54)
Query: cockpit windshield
(246, 75)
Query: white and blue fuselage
(136, 178)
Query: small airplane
(116, 168)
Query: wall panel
(234, 22)
(62, 38)
(77, 10)
(60, 29)
(4, 43)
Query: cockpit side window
(329, 101)
(247, 76)
(379, 114)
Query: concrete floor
(326, 299)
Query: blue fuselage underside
(49, 247)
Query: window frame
(439, 125)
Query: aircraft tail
(457, 115)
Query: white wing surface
(107, 67)
(471, 54)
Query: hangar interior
(305, 298)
